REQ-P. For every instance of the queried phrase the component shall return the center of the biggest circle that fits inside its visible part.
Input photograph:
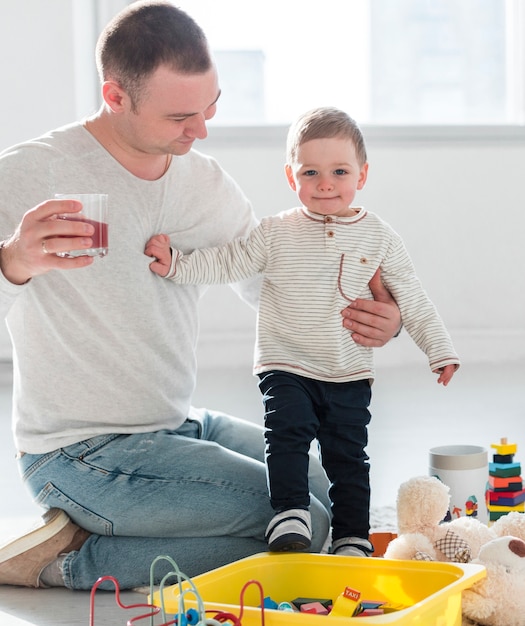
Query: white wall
(37, 74)
(458, 204)
(37, 67)
(40, 51)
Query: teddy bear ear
(508, 552)
(517, 546)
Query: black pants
(299, 410)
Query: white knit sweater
(109, 348)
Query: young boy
(314, 379)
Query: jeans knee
(320, 525)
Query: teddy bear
(496, 600)
(499, 598)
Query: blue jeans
(197, 494)
(299, 410)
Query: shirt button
(330, 233)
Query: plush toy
(498, 599)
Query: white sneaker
(290, 531)
(352, 546)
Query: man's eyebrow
(195, 113)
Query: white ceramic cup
(464, 469)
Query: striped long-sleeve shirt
(313, 266)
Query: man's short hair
(146, 35)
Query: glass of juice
(95, 212)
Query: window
(385, 62)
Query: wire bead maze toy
(185, 616)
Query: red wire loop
(155, 609)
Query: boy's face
(327, 175)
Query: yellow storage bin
(430, 591)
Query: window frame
(98, 12)
(272, 135)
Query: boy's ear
(363, 175)
(289, 176)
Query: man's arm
(373, 322)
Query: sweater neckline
(361, 212)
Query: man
(104, 354)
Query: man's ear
(113, 94)
(289, 176)
(363, 175)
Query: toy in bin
(406, 592)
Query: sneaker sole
(54, 522)
(356, 554)
(290, 542)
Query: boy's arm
(419, 314)
(231, 263)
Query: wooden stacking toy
(505, 489)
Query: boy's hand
(446, 373)
(159, 248)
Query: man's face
(171, 113)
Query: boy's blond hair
(324, 123)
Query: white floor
(411, 414)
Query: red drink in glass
(94, 212)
